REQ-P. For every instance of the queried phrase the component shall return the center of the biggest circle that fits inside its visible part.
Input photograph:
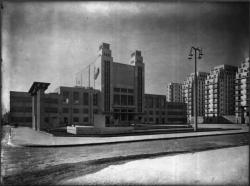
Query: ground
(216, 167)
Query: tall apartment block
(242, 93)
(188, 95)
(174, 92)
(220, 94)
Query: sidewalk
(24, 136)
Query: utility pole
(195, 50)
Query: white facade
(174, 92)
(242, 92)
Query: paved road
(23, 165)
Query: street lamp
(193, 52)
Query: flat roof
(36, 86)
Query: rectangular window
(130, 90)
(116, 89)
(150, 102)
(151, 112)
(130, 100)
(50, 110)
(65, 110)
(75, 110)
(85, 98)
(124, 90)
(123, 99)
(117, 99)
(75, 119)
(95, 99)
(85, 111)
(85, 119)
(95, 111)
(76, 98)
(65, 97)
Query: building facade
(188, 95)
(174, 92)
(155, 109)
(20, 108)
(121, 86)
(107, 94)
(220, 93)
(176, 112)
(242, 93)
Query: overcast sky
(50, 42)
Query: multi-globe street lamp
(196, 52)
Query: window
(123, 90)
(76, 98)
(95, 111)
(130, 90)
(151, 112)
(130, 100)
(50, 110)
(117, 99)
(65, 110)
(123, 99)
(95, 99)
(75, 119)
(85, 111)
(116, 89)
(85, 119)
(151, 119)
(75, 110)
(46, 119)
(65, 97)
(86, 98)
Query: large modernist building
(188, 95)
(107, 94)
(242, 92)
(220, 93)
(174, 92)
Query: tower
(137, 61)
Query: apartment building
(174, 92)
(242, 92)
(220, 93)
(188, 95)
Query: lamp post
(194, 51)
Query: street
(26, 165)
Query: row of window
(21, 119)
(76, 110)
(124, 90)
(123, 100)
(21, 109)
(76, 98)
(158, 102)
(151, 112)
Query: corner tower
(139, 71)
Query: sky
(51, 41)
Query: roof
(37, 86)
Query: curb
(128, 141)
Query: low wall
(95, 130)
(226, 119)
(200, 119)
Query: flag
(97, 71)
